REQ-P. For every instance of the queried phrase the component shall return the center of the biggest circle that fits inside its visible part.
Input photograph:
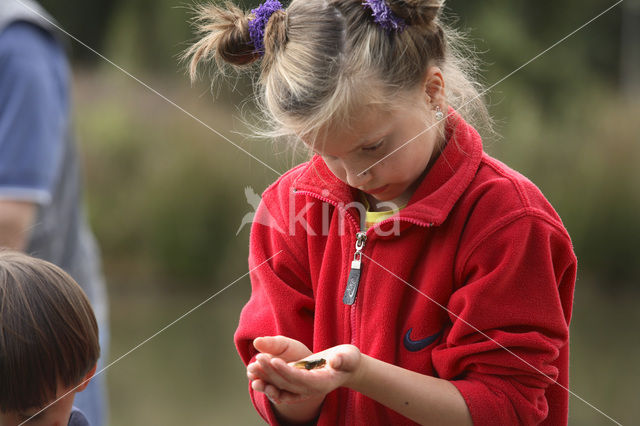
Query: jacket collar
(439, 190)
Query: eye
(29, 418)
(373, 147)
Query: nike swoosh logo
(417, 345)
(352, 290)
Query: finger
(339, 362)
(272, 393)
(269, 374)
(262, 360)
(251, 367)
(254, 371)
(278, 376)
(345, 360)
(274, 345)
(258, 385)
(298, 381)
(292, 398)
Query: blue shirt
(34, 112)
(38, 158)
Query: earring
(439, 113)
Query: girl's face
(377, 142)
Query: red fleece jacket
(476, 238)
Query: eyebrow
(385, 132)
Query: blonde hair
(324, 60)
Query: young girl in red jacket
(423, 280)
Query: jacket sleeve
(281, 300)
(510, 321)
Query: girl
(424, 280)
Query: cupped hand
(282, 382)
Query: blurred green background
(166, 194)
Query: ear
(86, 379)
(433, 86)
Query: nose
(355, 177)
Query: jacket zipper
(349, 299)
(355, 266)
(353, 281)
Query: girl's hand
(282, 382)
(281, 347)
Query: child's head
(48, 340)
(330, 71)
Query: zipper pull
(350, 292)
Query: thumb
(345, 360)
(273, 345)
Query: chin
(385, 197)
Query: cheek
(58, 413)
(8, 419)
(336, 169)
(416, 157)
(385, 169)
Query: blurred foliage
(89, 21)
(165, 206)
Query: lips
(376, 190)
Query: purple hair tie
(384, 16)
(257, 25)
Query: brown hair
(325, 60)
(48, 332)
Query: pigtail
(275, 38)
(420, 13)
(423, 26)
(224, 37)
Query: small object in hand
(311, 365)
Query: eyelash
(30, 418)
(374, 147)
(366, 148)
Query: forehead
(366, 127)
